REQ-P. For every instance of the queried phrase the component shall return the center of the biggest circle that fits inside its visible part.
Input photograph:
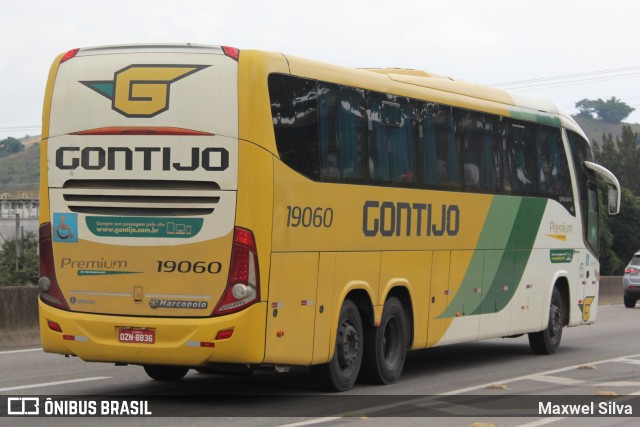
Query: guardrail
(18, 316)
(19, 310)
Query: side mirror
(613, 202)
(612, 182)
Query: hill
(596, 128)
(20, 172)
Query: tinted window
(390, 139)
(343, 133)
(521, 140)
(580, 151)
(294, 108)
(337, 133)
(438, 147)
(554, 180)
(477, 138)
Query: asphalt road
(437, 386)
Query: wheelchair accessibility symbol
(65, 227)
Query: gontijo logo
(142, 90)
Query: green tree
(610, 262)
(620, 234)
(625, 229)
(28, 269)
(10, 146)
(586, 107)
(612, 110)
(622, 157)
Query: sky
(563, 50)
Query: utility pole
(18, 243)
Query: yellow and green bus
(205, 208)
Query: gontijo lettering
(409, 219)
(211, 159)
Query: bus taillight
(231, 52)
(49, 291)
(243, 284)
(67, 56)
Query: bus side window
(469, 144)
(294, 110)
(438, 147)
(587, 190)
(522, 144)
(477, 139)
(554, 180)
(343, 133)
(427, 153)
(448, 150)
(546, 150)
(391, 139)
(592, 218)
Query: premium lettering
(92, 264)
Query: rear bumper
(94, 337)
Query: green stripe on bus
(515, 257)
(543, 119)
(512, 223)
(495, 234)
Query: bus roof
(407, 82)
(439, 88)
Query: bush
(28, 270)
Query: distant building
(26, 206)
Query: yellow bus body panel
(292, 308)
(96, 337)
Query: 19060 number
(198, 267)
(309, 217)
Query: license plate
(137, 336)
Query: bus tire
(342, 370)
(166, 373)
(547, 341)
(386, 345)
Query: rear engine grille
(141, 197)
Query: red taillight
(54, 326)
(243, 283)
(244, 237)
(231, 52)
(630, 270)
(224, 335)
(67, 56)
(49, 291)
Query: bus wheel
(342, 371)
(165, 373)
(386, 345)
(548, 340)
